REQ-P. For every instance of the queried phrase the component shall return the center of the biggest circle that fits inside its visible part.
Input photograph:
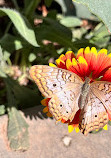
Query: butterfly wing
(51, 80)
(64, 104)
(62, 86)
(93, 115)
(102, 89)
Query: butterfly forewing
(52, 80)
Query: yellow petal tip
(52, 65)
(81, 60)
(68, 63)
(69, 52)
(105, 127)
(81, 50)
(70, 128)
(104, 51)
(58, 61)
(94, 50)
(74, 62)
(61, 56)
(77, 129)
(87, 50)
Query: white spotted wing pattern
(69, 93)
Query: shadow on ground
(37, 113)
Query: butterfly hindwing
(64, 104)
(94, 115)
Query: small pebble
(66, 140)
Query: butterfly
(68, 93)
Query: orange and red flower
(87, 63)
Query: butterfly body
(68, 93)
(84, 92)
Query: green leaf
(53, 31)
(109, 47)
(32, 57)
(100, 36)
(48, 2)
(83, 12)
(30, 7)
(11, 43)
(22, 94)
(17, 127)
(22, 25)
(100, 8)
(71, 21)
(67, 7)
(2, 109)
(6, 55)
(2, 74)
(17, 130)
(3, 64)
(52, 14)
(83, 43)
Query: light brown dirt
(46, 140)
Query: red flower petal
(83, 66)
(80, 53)
(76, 120)
(107, 75)
(60, 64)
(70, 55)
(62, 57)
(70, 66)
(76, 66)
(103, 63)
(91, 58)
(109, 115)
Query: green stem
(7, 28)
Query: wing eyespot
(67, 112)
(95, 115)
(54, 85)
(61, 105)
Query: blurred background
(37, 32)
